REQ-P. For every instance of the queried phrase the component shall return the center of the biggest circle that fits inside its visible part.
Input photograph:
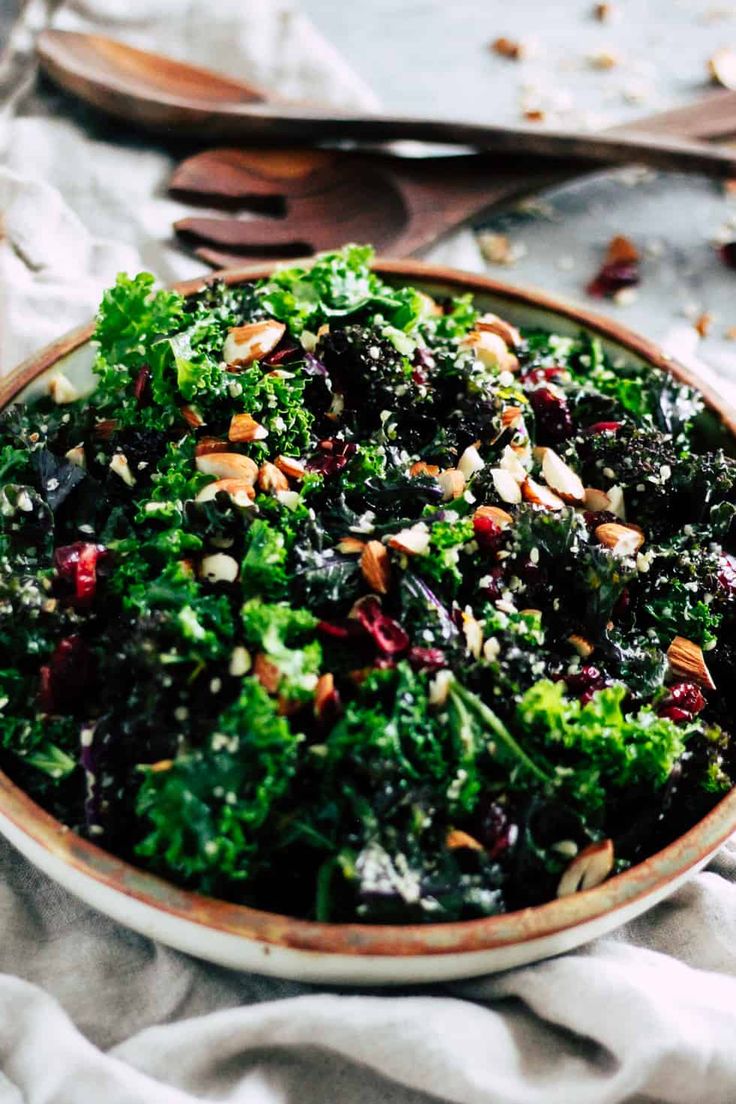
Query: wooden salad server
(158, 92)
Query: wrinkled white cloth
(91, 1012)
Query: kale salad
(355, 604)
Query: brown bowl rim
(623, 891)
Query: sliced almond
(588, 869)
(491, 350)
(244, 344)
(76, 456)
(291, 467)
(375, 566)
(271, 480)
(623, 540)
(62, 390)
(511, 417)
(219, 568)
(420, 468)
(413, 541)
(350, 546)
(240, 491)
(508, 48)
(227, 465)
(495, 513)
(458, 840)
(473, 632)
(191, 416)
(452, 482)
(512, 462)
(160, 765)
(616, 503)
(686, 661)
(561, 478)
(722, 67)
(470, 462)
(245, 428)
(507, 488)
(267, 673)
(539, 495)
(209, 444)
(119, 465)
(581, 644)
(595, 500)
(430, 306)
(491, 323)
(324, 693)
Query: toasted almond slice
(512, 461)
(244, 344)
(581, 644)
(495, 513)
(623, 540)
(375, 566)
(413, 541)
(588, 869)
(420, 468)
(119, 464)
(62, 390)
(452, 482)
(245, 428)
(350, 546)
(241, 491)
(616, 503)
(430, 306)
(219, 568)
(324, 693)
(457, 840)
(161, 765)
(209, 444)
(289, 499)
(271, 480)
(539, 495)
(491, 350)
(686, 661)
(291, 467)
(470, 462)
(491, 323)
(191, 416)
(511, 416)
(227, 465)
(473, 632)
(595, 500)
(507, 488)
(561, 478)
(267, 673)
(76, 456)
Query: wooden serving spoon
(319, 199)
(157, 92)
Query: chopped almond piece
(588, 869)
(491, 323)
(350, 546)
(686, 661)
(540, 495)
(534, 115)
(457, 840)
(603, 12)
(495, 513)
(722, 67)
(561, 478)
(413, 541)
(623, 540)
(245, 428)
(470, 462)
(270, 479)
(511, 417)
(507, 488)
(452, 482)
(267, 673)
(508, 48)
(621, 250)
(291, 467)
(375, 566)
(581, 645)
(325, 694)
(703, 323)
(209, 444)
(241, 491)
(244, 344)
(227, 465)
(491, 350)
(595, 500)
(604, 59)
(191, 416)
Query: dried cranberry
(388, 634)
(674, 713)
(540, 375)
(492, 589)
(622, 604)
(141, 384)
(495, 831)
(584, 683)
(614, 276)
(727, 573)
(683, 702)
(599, 517)
(77, 564)
(488, 533)
(728, 253)
(333, 458)
(426, 659)
(554, 422)
(603, 427)
(65, 676)
(340, 632)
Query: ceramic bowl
(249, 939)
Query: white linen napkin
(91, 1012)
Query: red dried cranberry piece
(599, 517)
(65, 676)
(614, 276)
(488, 533)
(727, 573)
(388, 634)
(586, 681)
(77, 564)
(340, 632)
(540, 375)
(333, 457)
(685, 696)
(426, 659)
(45, 694)
(623, 603)
(728, 253)
(496, 832)
(554, 422)
(603, 427)
(281, 353)
(674, 713)
(493, 588)
(141, 384)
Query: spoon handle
(299, 126)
